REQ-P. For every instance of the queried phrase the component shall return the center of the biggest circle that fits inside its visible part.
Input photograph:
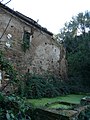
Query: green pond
(61, 106)
(72, 98)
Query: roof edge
(26, 19)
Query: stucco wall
(43, 54)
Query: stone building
(26, 44)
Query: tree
(76, 39)
(79, 23)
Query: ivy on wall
(8, 68)
(26, 41)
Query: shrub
(37, 86)
(85, 115)
(13, 108)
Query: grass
(68, 98)
(61, 106)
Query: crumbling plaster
(43, 54)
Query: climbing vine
(26, 41)
(8, 68)
(25, 46)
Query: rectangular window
(26, 37)
(26, 40)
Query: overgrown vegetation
(85, 115)
(38, 86)
(46, 101)
(26, 41)
(13, 108)
(76, 38)
(6, 66)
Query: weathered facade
(26, 44)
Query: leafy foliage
(37, 86)
(85, 115)
(13, 108)
(8, 68)
(26, 41)
(76, 39)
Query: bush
(13, 108)
(37, 86)
(85, 115)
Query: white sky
(52, 14)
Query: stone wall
(43, 54)
(61, 114)
(40, 114)
(63, 63)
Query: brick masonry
(43, 54)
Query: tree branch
(7, 2)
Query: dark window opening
(26, 36)
(26, 39)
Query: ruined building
(26, 44)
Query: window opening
(26, 40)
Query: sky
(51, 14)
